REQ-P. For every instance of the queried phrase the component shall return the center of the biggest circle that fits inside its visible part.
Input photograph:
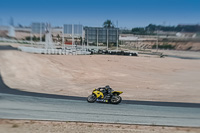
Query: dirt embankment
(27, 126)
(140, 78)
(175, 45)
(193, 46)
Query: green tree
(108, 24)
(35, 38)
(58, 36)
(43, 38)
(28, 38)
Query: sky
(128, 13)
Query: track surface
(16, 104)
(35, 108)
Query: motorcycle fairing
(98, 94)
(117, 92)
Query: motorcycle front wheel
(115, 99)
(91, 98)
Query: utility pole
(82, 39)
(40, 32)
(63, 41)
(107, 38)
(97, 41)
(31, 39)
(117, 39)
(87, 40)
(157, 43)
(72, 36)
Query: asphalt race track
(16, 104)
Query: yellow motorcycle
(99, 95)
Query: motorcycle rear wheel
(115, 100)
(91, 98)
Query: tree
(43, 38)
(20, 26)
(58, 36)
(28, 38)
(139, 31)
(35, 38)
(108, 24)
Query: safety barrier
(52, 51)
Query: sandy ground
(140, 78)
(27, 126)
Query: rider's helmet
(107, 87)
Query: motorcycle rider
(107, 90)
